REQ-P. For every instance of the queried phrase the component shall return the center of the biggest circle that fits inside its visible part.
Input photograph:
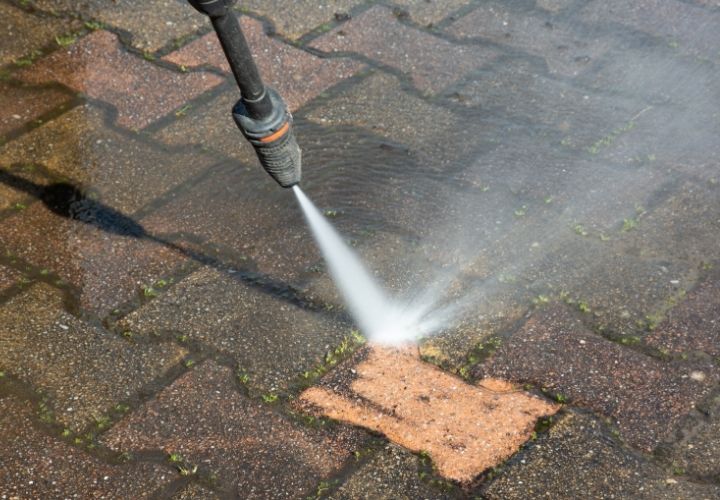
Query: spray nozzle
(273, 138)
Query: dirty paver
(36, 465)
(297, 75)
(253, 450)
(98, 66)
(432, 63)
(80, 149)
(83, 370)
(241, 318)
(549, 169)
(647, 397)
(416, 405)
(580, 457)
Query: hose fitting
(273, 138)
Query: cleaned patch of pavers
(465, 429)
(98, 66)
(297, 75)
(104, 257)
(273, 341)
(566, 52)
(36, 465)
(25, 35)
(432, 63)
(693, 30)
(24, 104)
(580, 458)
(697, 452)
(392, 472)
(293, 19)
(694, 324)
(254, 451)
(647, 397)
(83, 370)
(125, 171)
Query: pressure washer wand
(261, 114)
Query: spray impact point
(273, 138)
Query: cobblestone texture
(97, 65)
(565, 51)
(579, 457)
(243, 320)
(647, 397)
(432, 63)
(25, 36)
(83, 370)
(254, 451)
(23, 105)
(122, 170)
(297, 75)
(36, 465)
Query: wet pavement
(168, 328)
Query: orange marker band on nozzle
(276, 135)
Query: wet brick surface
(427, 13)
(432, 63)
(646, 397)
(697, 453)
(96, 65)
(465, 429)
(84, 371)
(272, 340)
(297, 75)
(579, 457)
(22, 105)
(123, 169)
(392, 472)
(104, 267)
(694, 324)
(293, 19)
(20, 185)
(565, 51)
(8, 277)
(693, 30)
(25, 35)
(36, 465)
(255, 452)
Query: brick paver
(104, 256)
(465, 429)
(693, 325)
(692, 29)
(297, 75)
(83, 370)
(647, 397)
(579, 457)
(8, 277)
(432, 63)
(125, 171)
(36, 465)
(20, 185)
(565, 51)
(24, 34)
(274, 342)
(293, 19)
(141, 91)
(22, 105)
(428, 13)
(255, 452)
(392, 472)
